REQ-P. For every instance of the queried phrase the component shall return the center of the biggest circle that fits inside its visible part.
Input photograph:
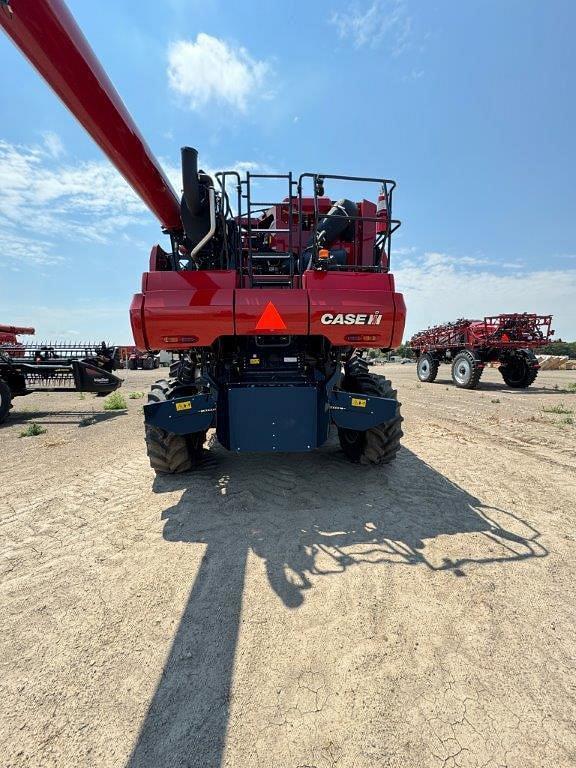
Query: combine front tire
(380, 444)
(170, 453)
(520, 370)
(5, 400)
(466, 370)
(427, 368)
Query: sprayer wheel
(520, 370)
(427, 367)
(466, 370)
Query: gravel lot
(293, 611)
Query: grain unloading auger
(268, 304)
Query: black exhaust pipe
(190, 185)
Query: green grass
(568, 420)
(135, 395)
(115, 402)
(32, 430)
(495, 400)
(571, 387)
(556, 409)
(81, 396)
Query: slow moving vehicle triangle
(270, 320)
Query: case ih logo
(351, 319)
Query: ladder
(258, 279)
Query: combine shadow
(305, 517)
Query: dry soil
(293, 611)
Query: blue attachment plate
(360, 412)
(183, 415)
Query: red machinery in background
(267, 303)
(52, 367)
(468, 345)
(134, 359)
(8, 338)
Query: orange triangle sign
(271, 320)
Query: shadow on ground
(496, 386)
(73, 418)
(306, 517)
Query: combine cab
(467, 345)
(268, 305)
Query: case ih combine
(266, 303)
(469, 344)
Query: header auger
(469, 344)
(267, 304)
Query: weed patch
(32, 430)
(115, 402)
(556, 409)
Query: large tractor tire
(520, 370)
(148, 364)
(380, 444)
(466, 370)
(170, 453)
(5, 400)
(427, 367)
(131, 365)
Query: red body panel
(360, 293)
(197, 307)
(291, 306)
(184, 304)
(48, 35)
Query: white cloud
(369, 25)
(18, 248)
(53, 144)
(43, 197)
(210, 69)
(440, 288)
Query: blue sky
(469, 106)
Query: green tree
(404, 350)
(559, 348)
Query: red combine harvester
(134, 359)
(267, 304)
(469, 344)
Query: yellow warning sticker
(359, 402)
(254, 361)
(185, 405)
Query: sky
(468, 105)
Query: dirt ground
(293, 611)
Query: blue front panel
(272, 418)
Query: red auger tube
(47, 34)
